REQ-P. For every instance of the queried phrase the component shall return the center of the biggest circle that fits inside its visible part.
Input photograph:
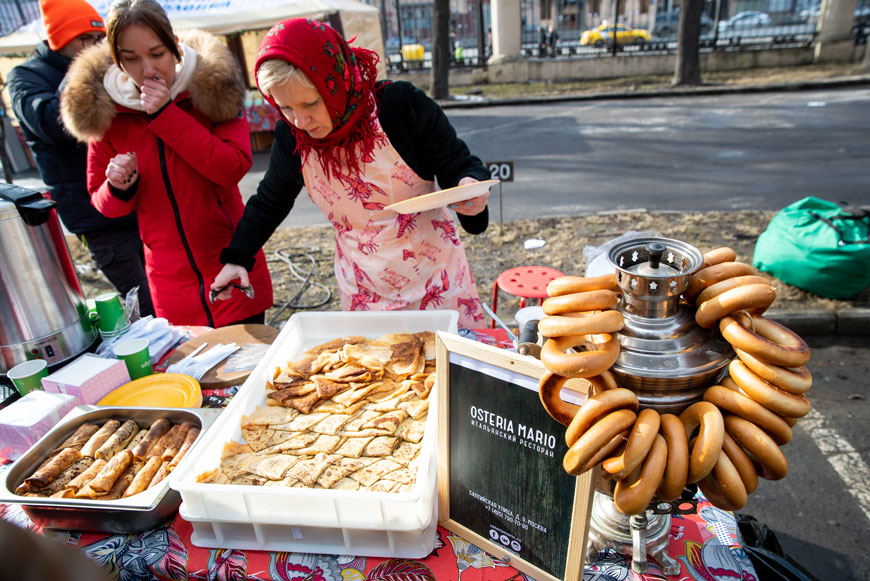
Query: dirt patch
(499, 248)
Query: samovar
(668, 361)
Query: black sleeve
(36, 103)
(274, 199)
(423, 136)
(125, 195)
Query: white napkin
(160, 334)
(198, 365)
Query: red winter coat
(191, 157)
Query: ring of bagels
(725, 441)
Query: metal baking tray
(125, 515)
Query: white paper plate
(442, 198)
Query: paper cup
(27, 376)
(134, 354)
(110, 311)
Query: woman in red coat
(168, 138)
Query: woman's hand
(154, 95)
(228, 274)
(123, 170)
(471, 207)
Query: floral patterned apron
(386, 261)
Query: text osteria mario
(516, 432)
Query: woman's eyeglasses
(91, 39)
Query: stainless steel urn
(42, 311)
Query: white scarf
(124, 91)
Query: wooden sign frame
(499, 369)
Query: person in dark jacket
(359, 146)
(34, 88)
(552, 40)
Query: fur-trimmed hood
(216, 88)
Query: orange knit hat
(66, 19)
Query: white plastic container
(313, 520)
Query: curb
(852, 322)
(857, 80)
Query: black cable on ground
(295, 259)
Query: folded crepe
(51, 470)
(154, 433)
(117, 441)
(99, 437)
(104, 481)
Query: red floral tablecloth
(706, 546)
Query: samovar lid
(654, 268)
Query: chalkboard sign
(501, 484)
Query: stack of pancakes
(348, 415)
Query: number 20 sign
(501, 170)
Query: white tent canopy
(216, 16)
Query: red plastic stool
(526, 282)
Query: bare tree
(688, 68)
(438, 83)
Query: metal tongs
(248, 290)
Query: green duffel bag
(819, 246)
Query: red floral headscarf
(344, 77)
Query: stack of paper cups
(111, 318)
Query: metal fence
(574, 28)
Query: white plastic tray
(276, 509)
(413, 544)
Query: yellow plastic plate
(167, 390)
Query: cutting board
(241, 335)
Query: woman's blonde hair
(123, 13)
(277, 72)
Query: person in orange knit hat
(65, 20)
(34, 86)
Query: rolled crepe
(78, 438)
(162, 473)
(85, 431)
(82, 479)
(75, 469)
(151, 437)
(123, 481)
(143, 477)
(157, 449)
(174, 445)
(134, 441)
(45, 474)
(104, 481)
(189, 439)
(100, 436)
(117, 441)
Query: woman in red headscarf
(357, 146)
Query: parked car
(668, 23)
(392, 43)
(603, 35)
(743, 20)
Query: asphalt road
(725, 152)
(820, 511)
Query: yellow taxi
(603, 35)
